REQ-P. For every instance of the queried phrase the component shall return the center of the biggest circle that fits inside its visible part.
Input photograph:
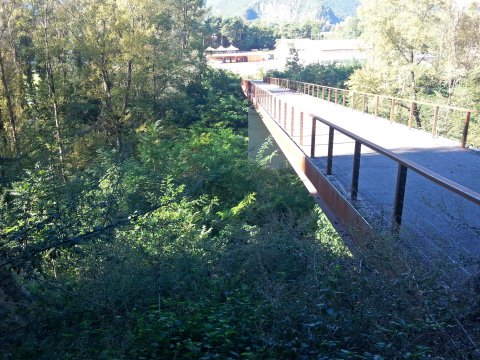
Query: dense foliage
(134, 225)
(335, 75)
(248, 35)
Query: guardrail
(273, 108)
(414, 112)
(403, 166)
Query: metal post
(292, 123)
(329, 93)
(356, 170)
(336, 96)
(344, 100)
(285, 116)
(392, 111)
(331, 131)
(301, 128)
(279, 111)
(323, 92)
(314, 133)
(275, 109)
(377, 105)
(465, 129)
(399, 197)
(364, 102)
(353, 100)
(410, 120)
(435, 121)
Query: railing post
(280, 111)
(275, 109)
(392, 111)
(292, 122)
(435, 121)
(344, 100)
(336, 96)
(323, 92)
(301, 128)
(410, 119)
(331, 131)
(314, 134)
(329, 93)
(399, 197)
(353, 100)
(364, 102)
(285, 116)
(356, 170)
(465, 129)
(377, 105)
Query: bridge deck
(435, 221)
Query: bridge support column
(257, 136)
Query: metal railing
(403, 166)
(273, 107)
(449, 121)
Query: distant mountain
(285, 10)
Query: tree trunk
(8, 97)
(53, 95)
(128, 84)
(413, 84)
(115, 121)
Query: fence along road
(439, 213)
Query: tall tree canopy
(417, 47)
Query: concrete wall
(257, 136)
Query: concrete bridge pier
(258, 135)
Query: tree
(403, 37)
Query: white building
(319, 51)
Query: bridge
(374, 169)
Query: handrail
(309, 88)
(382, 96)
(268, 102)
(444, 182)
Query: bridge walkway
(435, 220)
